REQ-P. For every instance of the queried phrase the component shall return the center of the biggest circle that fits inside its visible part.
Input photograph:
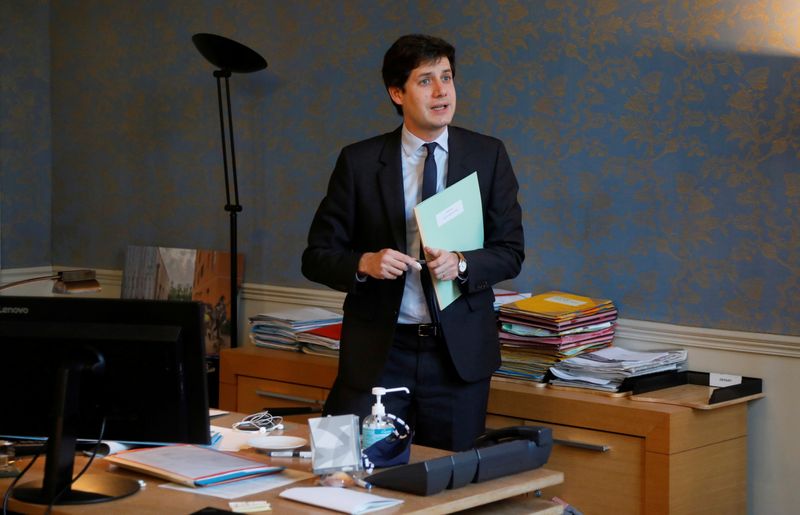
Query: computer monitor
(68, 364)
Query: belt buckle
(426, 330)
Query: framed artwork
(166, 273)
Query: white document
(345, 500)
(574, 377)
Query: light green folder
(452, 220)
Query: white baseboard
(656, 333)
(259, 297)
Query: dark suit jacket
(363, 211)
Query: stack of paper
(537, 332)
(607, 368)
(502, 296)
(322, 341)
(281, 329)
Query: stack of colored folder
(308, 329)
(537, 332)
(322, 341)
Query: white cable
(261, 422)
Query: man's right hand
(386, 264)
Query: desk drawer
(254, 395)
(603, 472)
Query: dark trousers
(444, 411)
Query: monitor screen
(73, 363)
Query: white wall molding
(655, 333)
(19, 274)
(110, 281)
(635, 331)
(263, 293)
(261, 297)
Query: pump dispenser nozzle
(378, 392)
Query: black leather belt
(420, 329)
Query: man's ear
(396, 94)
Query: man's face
(428, 99)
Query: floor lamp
(230, 57)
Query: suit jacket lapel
(390, 180)
(457, 153)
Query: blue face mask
(393, 450)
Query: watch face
(462, 266)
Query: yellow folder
(452, 220)
(559, 305)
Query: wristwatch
(462, 264)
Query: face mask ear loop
(400, 424)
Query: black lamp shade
(227, 54)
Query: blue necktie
(429, 172)
(428, 190)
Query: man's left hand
(443, 264)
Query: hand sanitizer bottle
(378, 426)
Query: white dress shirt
(413, 308)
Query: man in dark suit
(364, 241)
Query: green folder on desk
(452, 220)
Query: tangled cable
(262, 422)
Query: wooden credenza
(252, 378)
(618, 456)
(621, 456)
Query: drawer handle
(297, 398)
(583, 445)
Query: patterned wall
(25, 144)
(657, 143)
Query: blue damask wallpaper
(657, 142)
(25, 127)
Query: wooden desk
(648, 458)
(153, 499)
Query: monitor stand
(57, 486)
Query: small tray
(692, 389)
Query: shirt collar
(411, 144)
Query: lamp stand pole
(233, 208)
(229, 57)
